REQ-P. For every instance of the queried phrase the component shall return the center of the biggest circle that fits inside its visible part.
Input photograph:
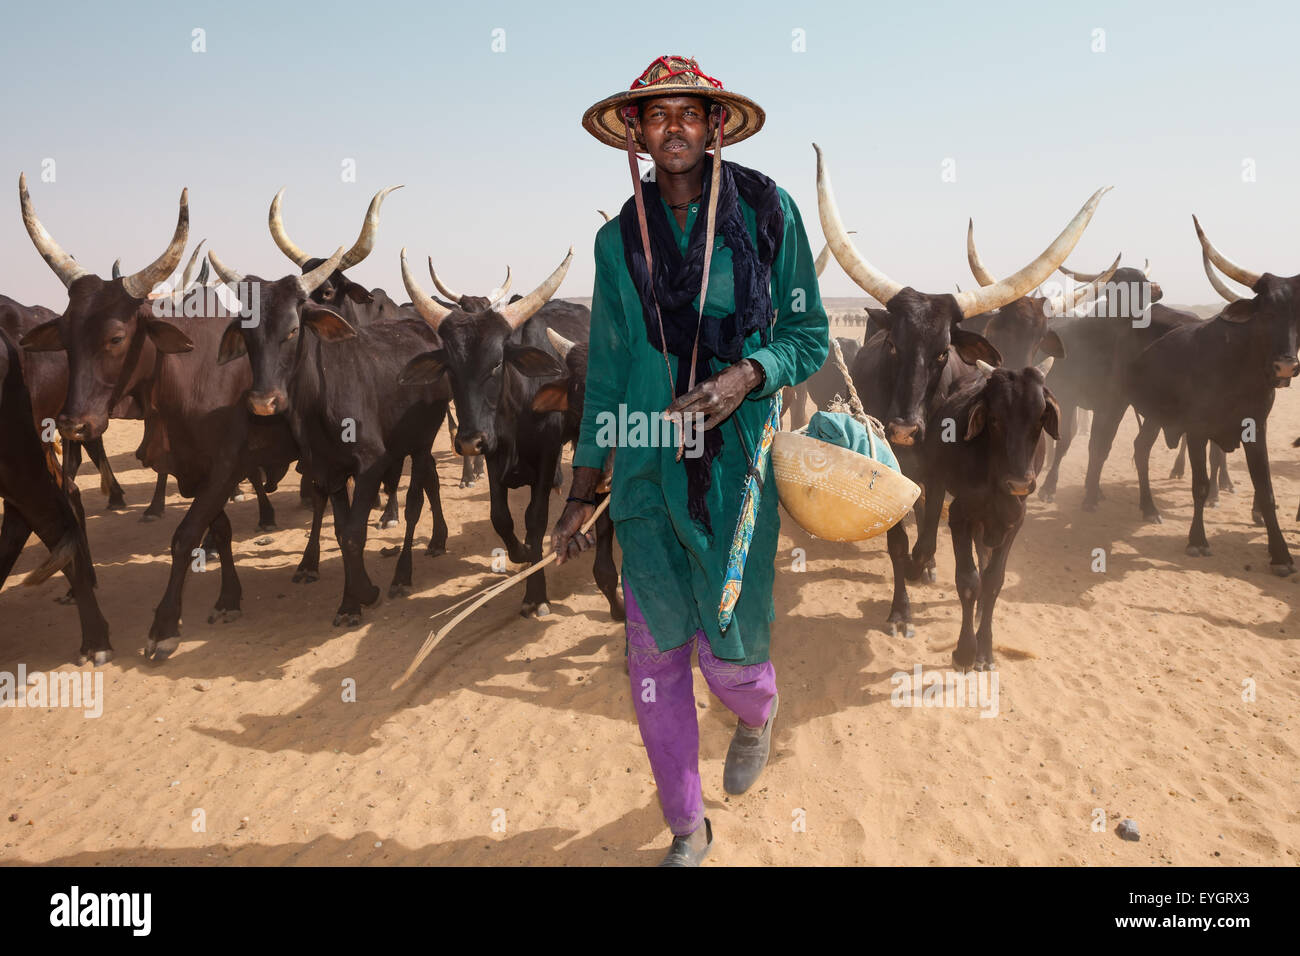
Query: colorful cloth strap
(748, 513)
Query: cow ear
(533, 362)
(1051, 415)
(975, 424)
(1051, 344)
(232, 343)
(1240, 311)
(167, 338)
(44, 338)
(424, 369)
(552, 397)
(328, 325)
(359, 294)
(972, 346)
(877, 321)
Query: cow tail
(61, 555)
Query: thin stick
(486, 595)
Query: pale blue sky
(498, 169)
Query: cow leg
(1197, 545)
(14, 532)
(306, 498)
(535, 527)
(900, 610)
(968, 583)
(415, 492)
(227, 607)
(392, 479)
(1069, 426)
(164, 633)
(433, 490)
(1219, 470)
(309, 566)
(991, 578)
(158, 501)
(502, 521)
(71, 461)
(921, 567)
(1142, 458)
(265, 510)
(603, 569)
(350, 526)
(1105, 423)
(107, 480)
(1178, 469)
(1279, 555)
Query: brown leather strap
(709, 224)
(645, 242)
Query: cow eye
(117, 339)
(292, 333)
(496, 368)
(327, 293)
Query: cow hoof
(1211, 502)
(1198, 550)
(347, 620)
(65, 598)
(1047, 496)
(988, 664)
(908, 629)
(303, 576)
(1089, 505)
(1152, 517)
(100, 657)
(618, 612)
(224, 615)
(1282, 570)
(149, 516)
(399, 590)
(161, 650)
(1228, 489)
(385, 524)
(467, 484)
(961, 661)
(268, 527)
(929, 575)
(392, 551)
(375, 594)
(535, 610)
(433, 552)
(1258, 518)
(212, 557)
(116, 504)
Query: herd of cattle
(241, 378)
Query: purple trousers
(664, 698)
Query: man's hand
(567, 540)
(717, 397)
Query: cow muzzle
(267, 403)
(1284, 369)
(470, 445)
(1020, 487)
(903, 433)
(79, 429)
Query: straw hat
(673, 76)
(835, 493)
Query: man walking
(716, 234)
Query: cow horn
(1045, 366)
(309, 282)
(64, 266)
(874, 282)
(429, 310)
(447, 291)
(1083, 290)
(117, 268)
(227, 276)
(499, 293)
(1013, 287)
(188, 273)
(982, 275)
(1084, 308)
(369, 229)
(202, 280)
(1220, 286)
(985, 368)
(1146, 268)
(824, 257)
(560, 343)
(521, 310)
(139, 284)
(1225, 265)
(604, 215)
(287, 246)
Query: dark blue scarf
(677, 282)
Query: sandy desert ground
(516, 743)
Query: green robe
(673, 568)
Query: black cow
(918, 354)
(36, 499)
(1000, 416)
(1215, 381)
(494, 360)
(336, 390)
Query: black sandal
(680, 853)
